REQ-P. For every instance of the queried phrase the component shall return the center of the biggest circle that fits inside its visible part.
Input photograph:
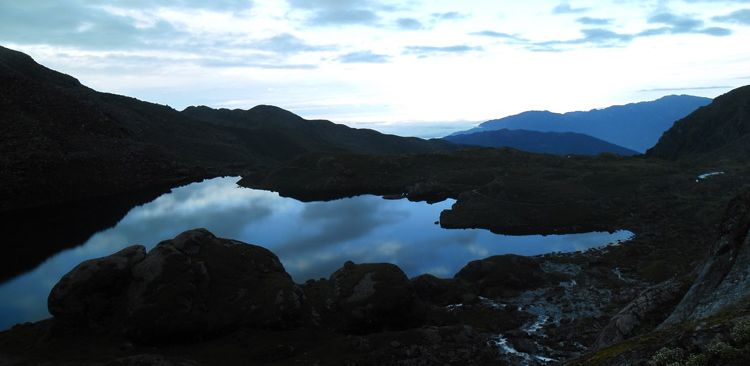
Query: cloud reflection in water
(311, 239)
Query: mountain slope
(719, 130)
(62, 141)
(314, 135)
(557, 143)
(636, 126)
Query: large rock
(192, 286)
(372, 297)
(503, 275)
(197, 283)
(93, 290)
(725, 278)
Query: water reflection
(311, 239)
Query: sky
(397, 66)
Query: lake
(311, 239)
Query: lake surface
(312, 239)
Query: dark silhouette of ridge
(63, 141)
(314, 135)
(556, 143)
(720, 130)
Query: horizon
(387, 65)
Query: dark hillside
(720, 130)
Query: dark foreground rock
(725, 277)
(93, 290)
(202, 300)
(192, 286)
(711, 323)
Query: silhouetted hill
(719, 130)
(62, 141)
(314, 135)
(636, 126)
(557, 143)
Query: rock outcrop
(725, 277)
(363, 298)
(199, 284)
(503, 275)
(191, 286)
(621, 325)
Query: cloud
(338, 12)
(669, 23)
(493, 34)
(409, 24)
(363, 57)
(428, 50)
(338, 222)
(286, 43)
(681, 24)
(685, 88)
(678, 23)
(215, 5)
(238, 62)
(736, 17)
(597, 36)
(566, 8)
(593, 21)
(450, 15)
(77, 24)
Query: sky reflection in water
(311, 239)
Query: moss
(620, 349)
(740, 333)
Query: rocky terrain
(676, 293)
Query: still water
(311, 239)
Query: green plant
(667, 357)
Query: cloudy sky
(390, 64)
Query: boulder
(503, 275)
(93, 290)
(198, 284)
(372, 297)
(193, 286)
(442, 291)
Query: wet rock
(503, 275)
(94, 289)
(197, 283)
(372, 297)
(626, 320)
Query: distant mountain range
(557, 143)
(635, 126)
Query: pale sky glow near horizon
(390, 64)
